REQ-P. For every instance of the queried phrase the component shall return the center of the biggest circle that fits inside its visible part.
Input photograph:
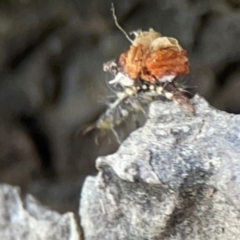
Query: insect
(146, 71)
(155, 61)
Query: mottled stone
(28, 220)
(175, 178)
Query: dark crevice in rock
(204, 22)
(53, 96)
(234, 3)
(40, 139)
(177, 217)
(49, 28)
(227, 71)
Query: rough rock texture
(28, 220)
(52, 85)
(175, 178)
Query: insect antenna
(117, 24)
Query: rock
(219, 33)
(61, 196)
(16, 152)
(175, 178)
(27, 219)
(51, 55)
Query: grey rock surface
(178, 177)
(53, 86)
(28, 220)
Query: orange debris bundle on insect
(152, 57)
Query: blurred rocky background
(52, 84)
